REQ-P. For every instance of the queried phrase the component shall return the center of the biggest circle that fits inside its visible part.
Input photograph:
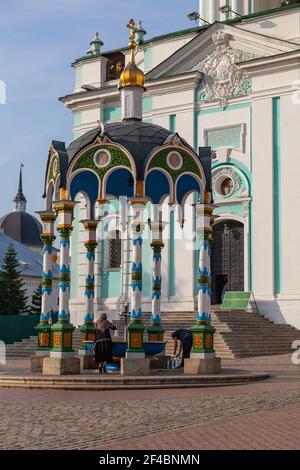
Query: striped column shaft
(48, 219)
(47, 281)
(135, 328)
(44, 327)
(157, 280)
(136, 276)
(64, 210)
(89, 288)
(137, 227)
(91, 244)
(64, 276)
(204, 213)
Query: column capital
(91, 246)
(138, 206)
(157, 245)
(102, 201)
(138, 201)
(64, 205)
(205, 218)
(90, 227)
(48, 239)
(90, 224)
(64, 209)
(47, 216)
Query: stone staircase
(238, 334)
(246, 333)
(24, 348)
(27, 347)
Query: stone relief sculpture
(223, 78)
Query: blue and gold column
(136, 328)
(203, 332)
(87, 329)
(156, 331)
(62, 331)
(44, 327)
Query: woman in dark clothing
(103, 342)
(184, 337)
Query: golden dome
(132, 75)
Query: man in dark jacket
(183, 339)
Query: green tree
(13, 298)
(36, 300)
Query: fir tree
(36, 300)
(13, 299)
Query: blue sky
(38, 42)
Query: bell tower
(19, 202)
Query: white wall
(262, 206)
(282, 25)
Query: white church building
(232, 83)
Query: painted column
(136, 327)
(202, 11)
(236, 7)
(87, 329)
(62, 331)
(213, 11)
(156, 331)
(44, 327)
(203, 332)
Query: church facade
(232, 85)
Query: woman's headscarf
(102, 324)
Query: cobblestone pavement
(261, 415)
(278, 429)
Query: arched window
(226, 187)
(114, 246)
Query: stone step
(160, 379)
(238, 334)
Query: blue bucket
(113, 368)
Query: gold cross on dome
(133, 29)
(132, 43)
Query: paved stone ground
(261, 415)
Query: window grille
(114, 249)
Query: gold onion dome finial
(132, 75)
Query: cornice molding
(277, 63)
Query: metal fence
(17, 327)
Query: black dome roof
(139, 138)
(22, 227)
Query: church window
(114, 249)
(226, 187)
